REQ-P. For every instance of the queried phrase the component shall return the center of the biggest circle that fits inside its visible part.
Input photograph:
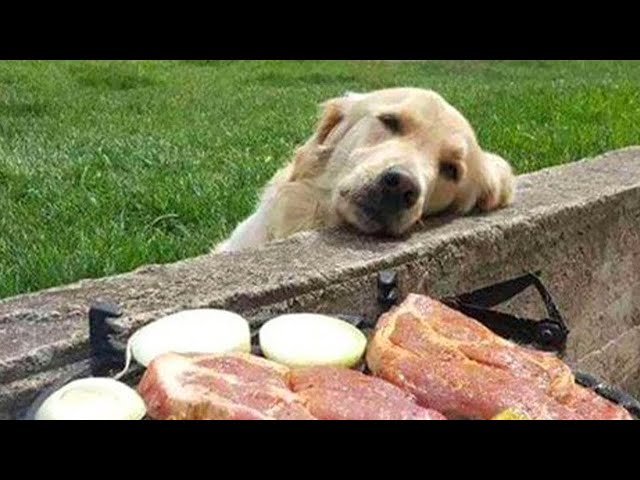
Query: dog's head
(388, 157)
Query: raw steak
(334, 393)
(219, 387)
(455, 365)
(244, 387)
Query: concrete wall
(579, 224)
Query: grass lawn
(105, 166)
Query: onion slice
(304, 339)
(93, 399)
(191, 331)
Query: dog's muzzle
(395, 191)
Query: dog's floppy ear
(332, 115)
(333, 112)
(311, 157)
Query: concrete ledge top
(36, 329)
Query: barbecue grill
(107, 351)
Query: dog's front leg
(288, 209)
(251, 233)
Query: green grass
(105, 166)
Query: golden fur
(352, 146)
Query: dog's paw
(222, 247)
(499, 187)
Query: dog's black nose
(400, 190)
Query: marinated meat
(219, 387)
(455, 365)
(334, 393)
(240, 386)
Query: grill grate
(548, 334)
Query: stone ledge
(578, 223)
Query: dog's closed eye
(391, 122)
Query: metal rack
(107, 352)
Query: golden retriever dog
(379, 162)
